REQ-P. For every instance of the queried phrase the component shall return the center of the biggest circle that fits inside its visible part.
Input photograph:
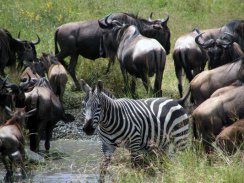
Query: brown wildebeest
(206, 82)
(84, 38)
(12, 141)
(217, 112)
(192, 58)
(139, 56)
(231, 137)
(56, 73)
(38, 94)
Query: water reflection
(68, 161)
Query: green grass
(44, 16)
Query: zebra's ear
(99, 86)
(84, 86)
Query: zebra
(135, 124)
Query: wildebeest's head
(216, 48)
(26, 50)
(92, 108)
(157, 29)
(47, 60)
(19, 114)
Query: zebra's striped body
(136, 124)
(141, 124)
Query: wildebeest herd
(141, 47)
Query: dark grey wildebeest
(10, 47)
(139, 56)
(189, 56)
(221, 50)
(85, 37)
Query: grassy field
(44, 16)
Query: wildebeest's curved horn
(198, 42)
(19, 35)
(38, 40)
(164, 21)
(105, 22)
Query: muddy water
(68, 161)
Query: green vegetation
(44, 16)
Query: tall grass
(42, 17)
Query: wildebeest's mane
(235, 61)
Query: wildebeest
(236, 28)
(189, 56)
(231, 137)
(206, 82)
(56, 73)
(217, 112)
(84, 38)
(140, 56)
(48, 106)
(9, 47)
(12, 141)
(220, 50)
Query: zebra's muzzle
(88, 127)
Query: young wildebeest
(140, 56)
(12, 141)
(217, 112)
(84, 38)
(38, 94)
(206, 82)
(231, 137)
(142, 124)
(56, 73)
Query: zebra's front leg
(107, 155)
(135, 159)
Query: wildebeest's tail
(187, 70)
(55, 42)
(183, 99)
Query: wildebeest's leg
(48, 133)
(133, 87)
(61, 56)
(125, 76)
(18, 158)
(72, 65)
(110, 62)
(146, 82)
(158, 83)
(107, 154)
(9, 168)
(34, 144)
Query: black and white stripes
(135, 124)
